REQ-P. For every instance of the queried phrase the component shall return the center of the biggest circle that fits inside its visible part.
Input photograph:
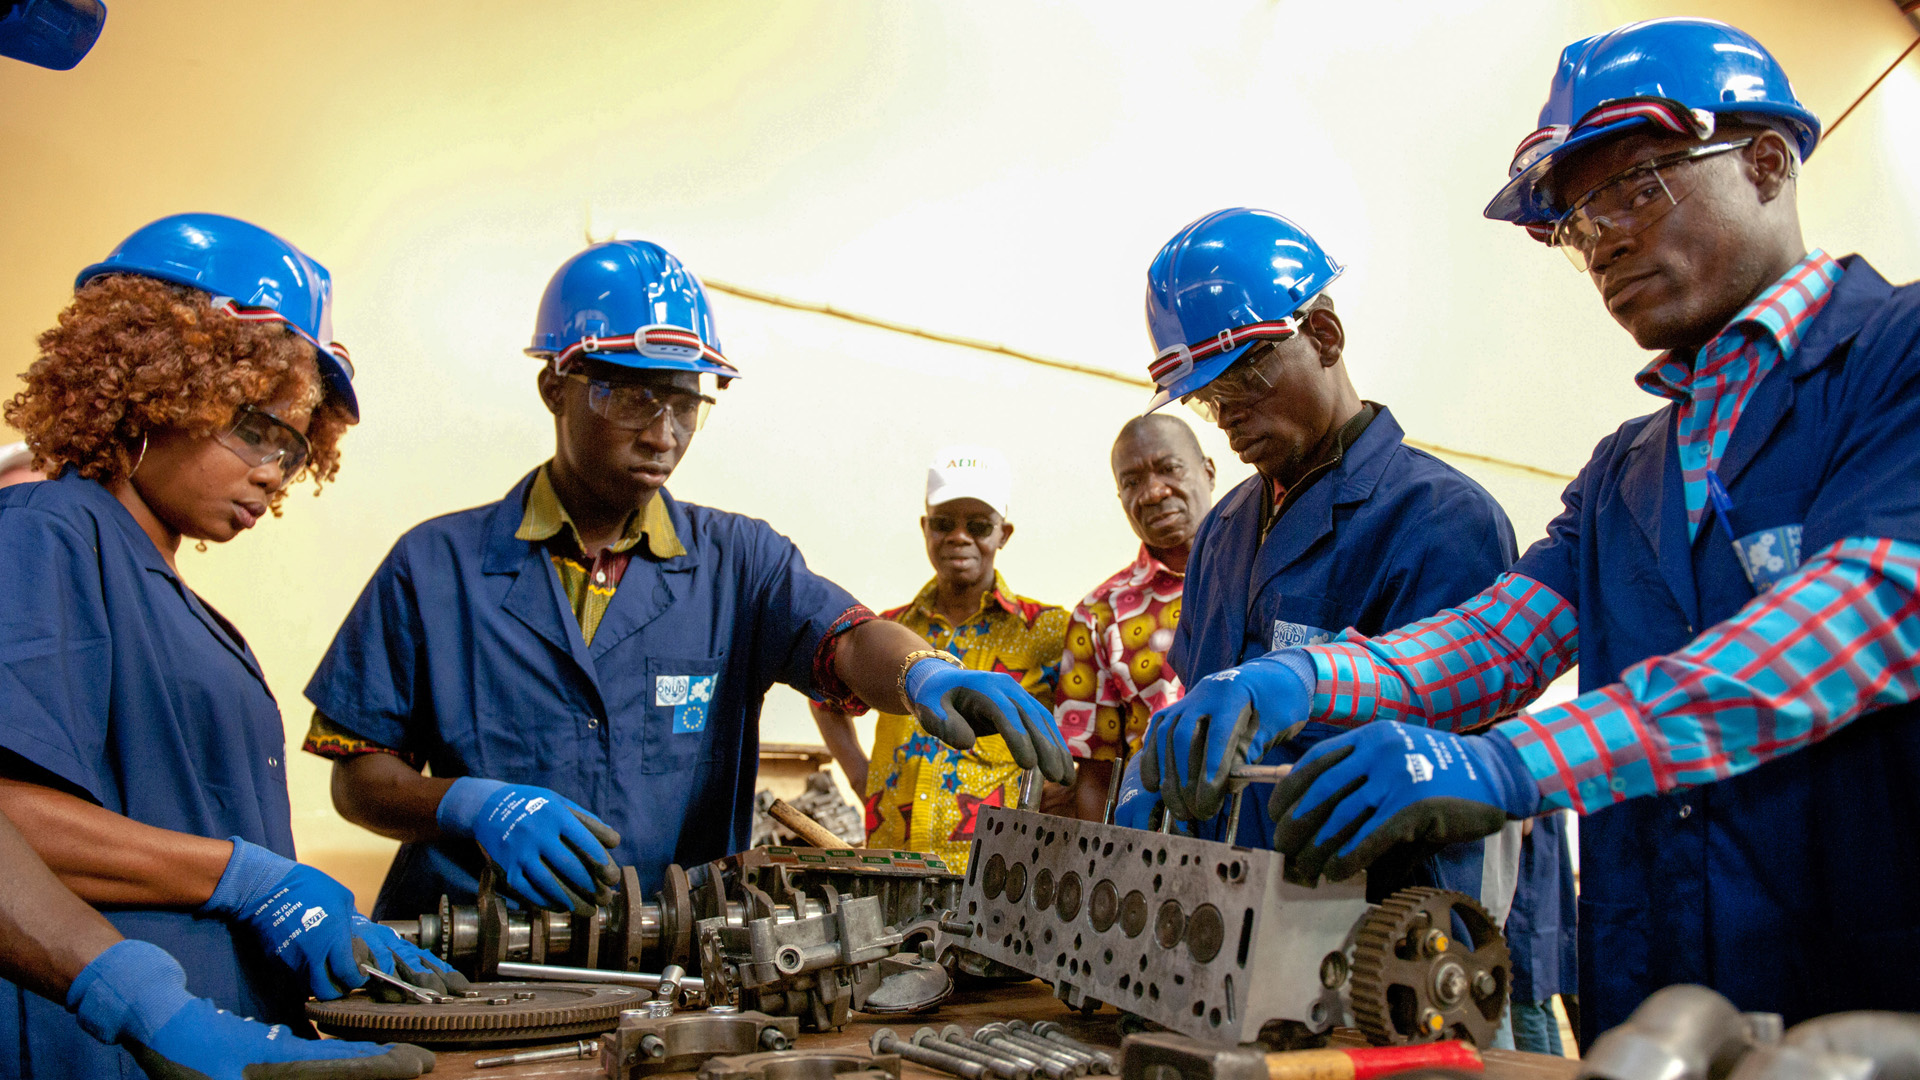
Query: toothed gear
(1404, 989)
(553, 1011)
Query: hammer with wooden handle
(808, 829)
(1164, 1056)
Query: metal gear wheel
(499, 1012)
(1415, 981)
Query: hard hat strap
(1176, 362)
(245, 313)
(1664, 112)
(660, 342)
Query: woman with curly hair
(190, 382)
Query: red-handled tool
(1166, 1056)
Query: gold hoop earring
(200, 546)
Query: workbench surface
(1029, 1001)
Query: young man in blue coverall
(592, 652)
(1735, 576)
(1344, 525)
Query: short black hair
(1161, 421)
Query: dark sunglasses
(978, 528)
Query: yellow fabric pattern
(922, 795)
(590, 581)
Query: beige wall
(998, 170)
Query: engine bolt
(1017, 1031)
(1004, 1067)
(1434, 943)
(885, 1041)
(1000, 1035)
(1484, 984)
(1052, 1032)
(1052, 1070)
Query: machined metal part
(1098, 1061)
(956, 1035)
(548, 973)
(1046, 1064)
(803, 1065)
(885, 1041)
(1001, 1035)
(495, 1013)
(1204, 938)
(1053, 1032)
(642, 1045)
(578, 1051)
(417, 993)
(1414, 981)
(1003, 1067)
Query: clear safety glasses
(637, 408)
(258, 438)
(1629, 202)
(1247, 379)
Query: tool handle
(808, 829)
(1366, 1063)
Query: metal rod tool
(585, 1048)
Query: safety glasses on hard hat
(1629, 202)
(637, 407)
(1247, 379)
(258, 438)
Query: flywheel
(498, 1012)
(1415, 980)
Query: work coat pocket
(680, 725)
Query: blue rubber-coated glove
(380, 946)
(555, 855)
(135, 995)
(1354, 797)
(1134, 805)
(956, 706)
(302, 916)
(1228, 718)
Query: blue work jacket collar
(538, 599)
(95, 495)
(1651, 482)
(1310, 517)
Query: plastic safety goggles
(1628, 203)
(637, 408)
(258, 438)
(1246, 380)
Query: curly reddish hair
(133, 355)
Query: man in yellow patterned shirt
(920, 794)
(1113, 674)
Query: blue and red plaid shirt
(1835, 639)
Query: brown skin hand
(1677, 284)
(47, 934)
(1285, 430)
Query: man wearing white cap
(920, 794)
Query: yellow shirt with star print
(923, 795)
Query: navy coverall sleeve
(369, 681)
(1464, 544)
(1554, 560)
(55, 649)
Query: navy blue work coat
(1793, 888)
(1541, 927)
(463, 649)
(1388, 536)
(119, 685)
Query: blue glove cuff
(923, 670)
(249, 874)
(1299, 664)
(1507, 773)
(129, 991)
(463, 804)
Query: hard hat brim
(637, 362)
(1202, 374)
(1521, 200)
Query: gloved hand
(1355, 796)
(555, 854)
(956, 705)
(380, 946)
(302, 916)
(135, 995)
(1228, 718)
(1133, 806)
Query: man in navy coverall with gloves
(591, 651)
(1735, 576)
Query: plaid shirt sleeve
(1460, 668)
(1838, 638)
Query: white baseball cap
(970, 472)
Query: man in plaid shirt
(1735, 576)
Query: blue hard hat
(631, 303)
(1221, 284)
(53, 34)
(1676, 73)
(251, 274)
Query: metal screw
(1082, 1063)
(585, 1048)
(1052, 1032)
(998, 1035)
(1434, 943)
(885, 1041)
(1003, 1067)
(1483, 984)
(772, 1038)
(1450, 983)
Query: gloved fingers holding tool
(957, 706)
(1357, 796)
(1229, 718)
(135, 995)
(378, 946)
(306, 920)
(553, 854)
(1133, 805)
